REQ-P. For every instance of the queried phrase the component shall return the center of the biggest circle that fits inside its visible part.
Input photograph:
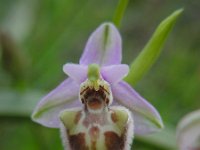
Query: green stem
(119, 12)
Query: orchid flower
(104, 48)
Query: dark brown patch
(114, 117)
(113, 141)
(107, 101)
(93, 145)
(82, 100)
(78, 117)
(93, 93)
(77, 142)
(88, 93)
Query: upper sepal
(103, 47)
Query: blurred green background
(38, 37)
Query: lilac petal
(188, 132)
(103, 47)
(62, 97)
(114, 73)
(75, 71)
(146, 117)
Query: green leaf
(152, 50)
(119, 12)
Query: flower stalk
(119, 12)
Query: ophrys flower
(104, 48)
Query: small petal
(103, 47)
(146, 117)
(75, 71)
(62, 97)
(114, 73)
(188, 132)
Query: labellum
(97, 125)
